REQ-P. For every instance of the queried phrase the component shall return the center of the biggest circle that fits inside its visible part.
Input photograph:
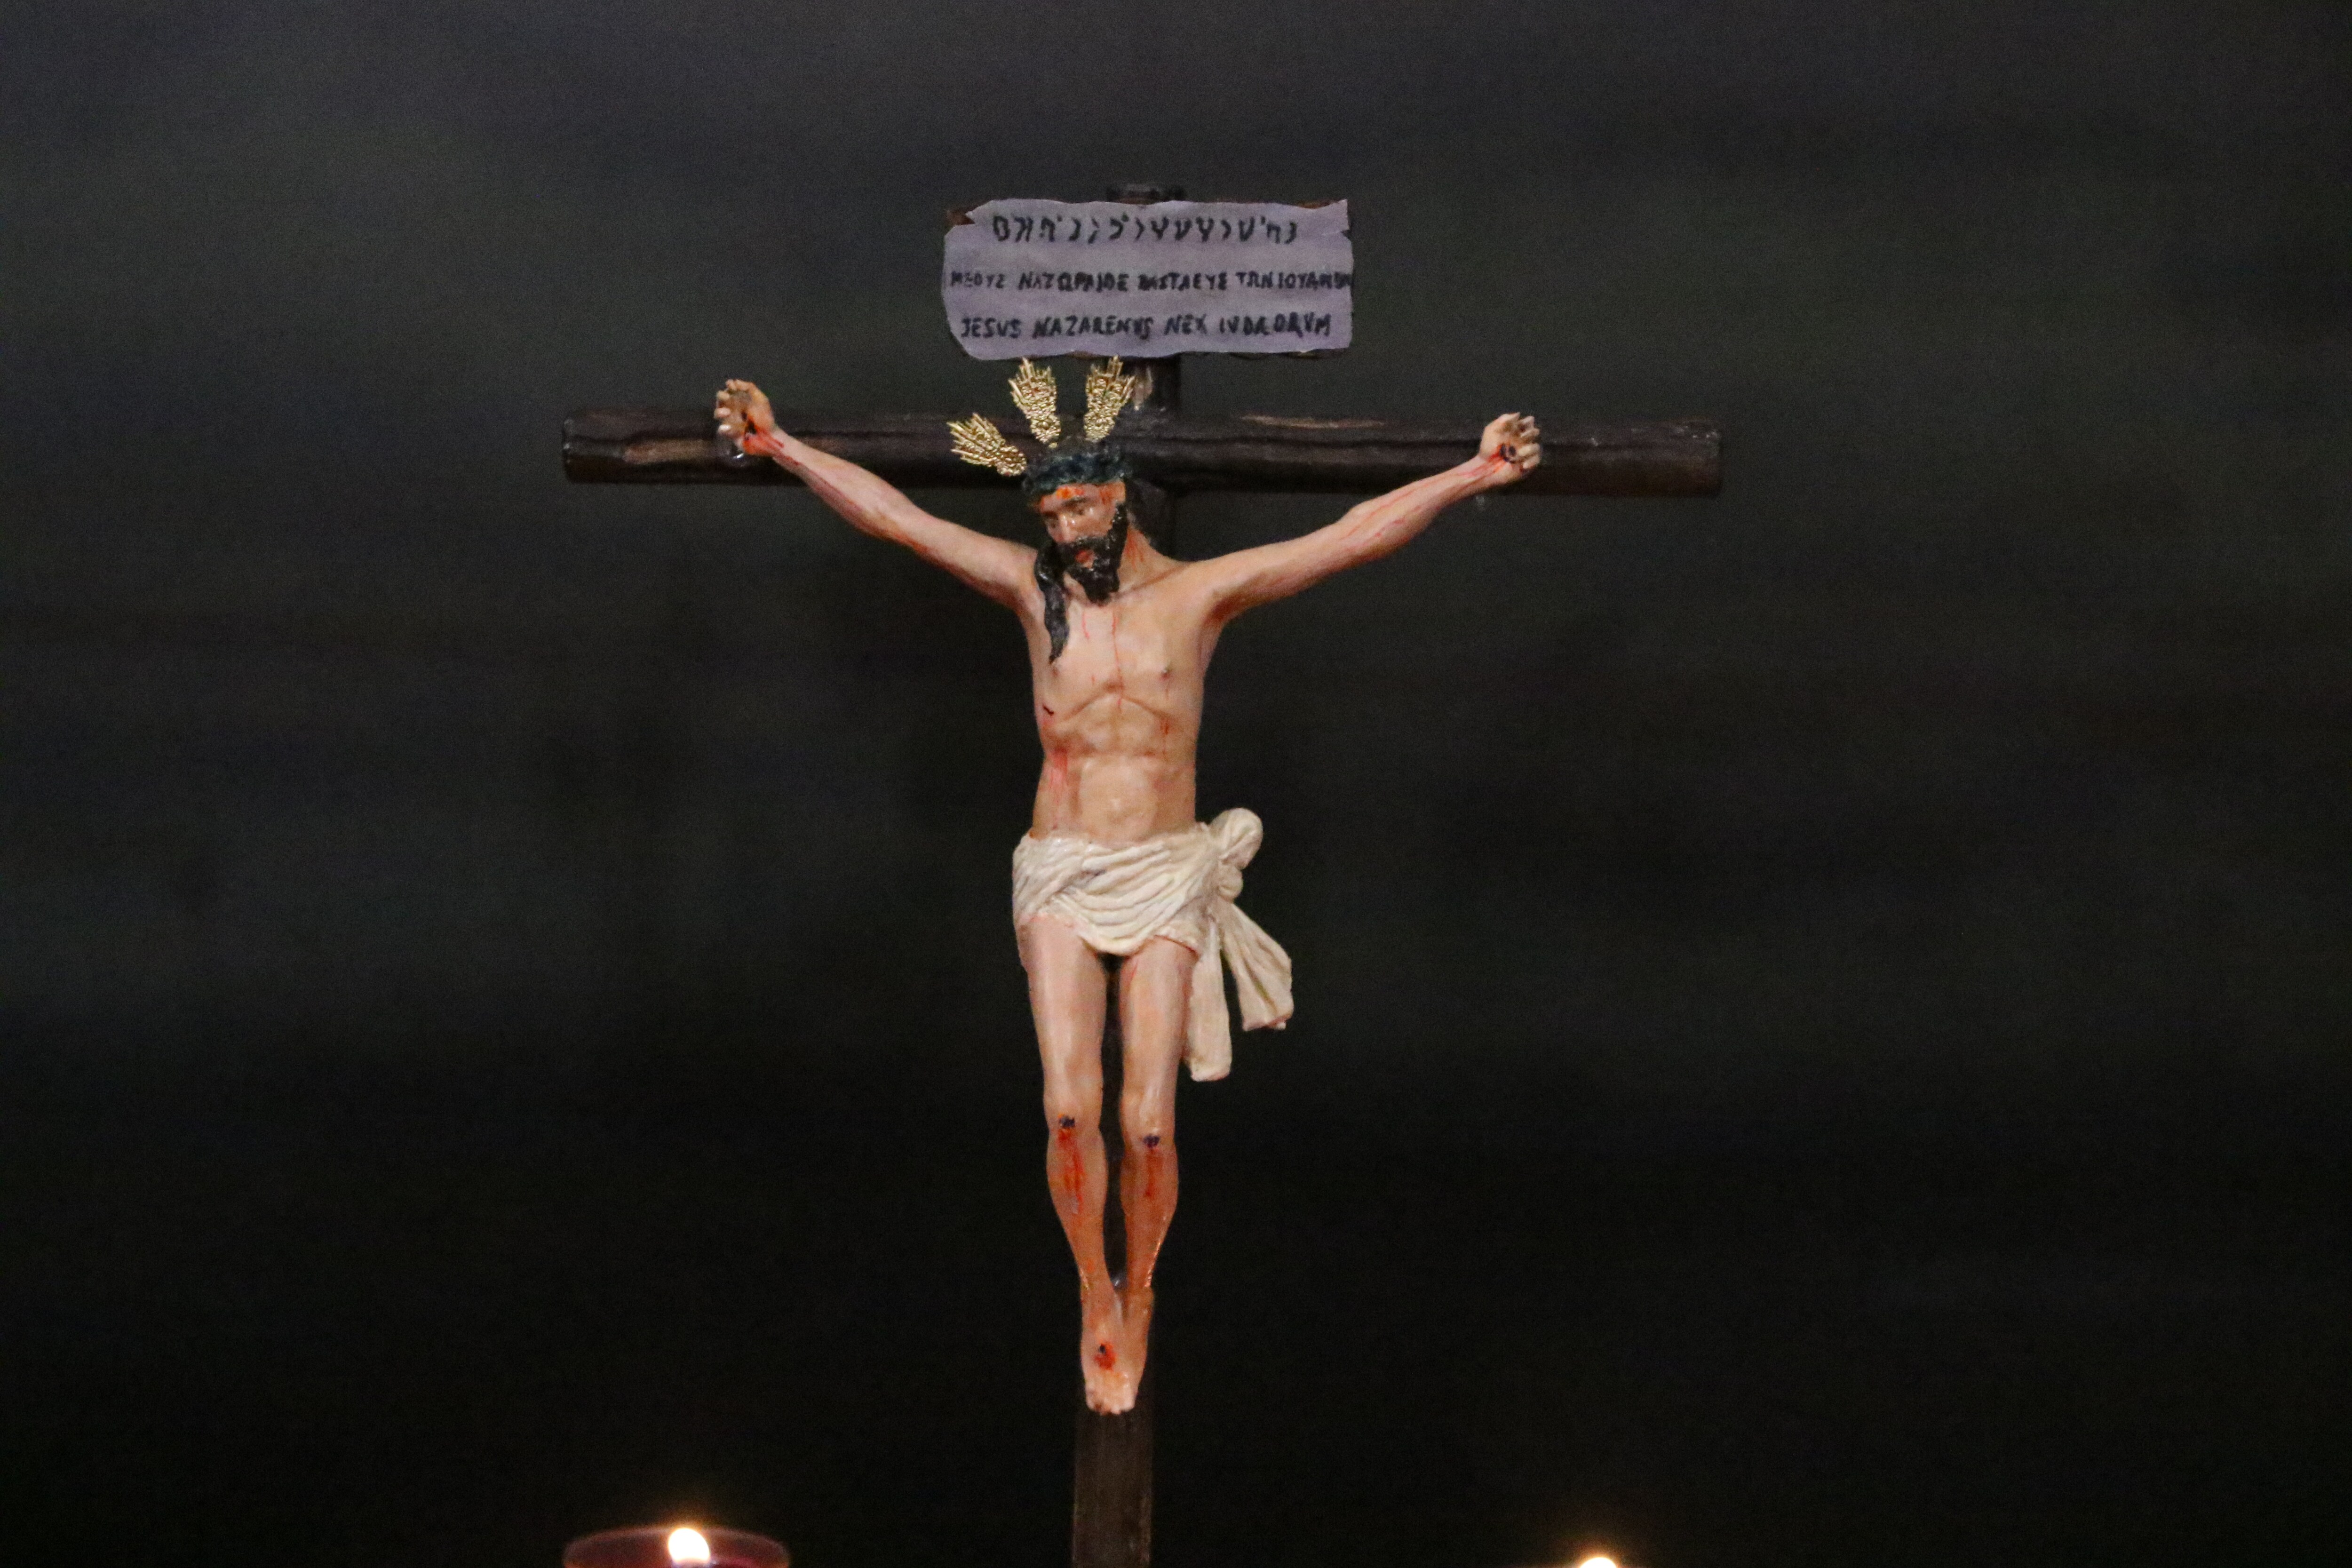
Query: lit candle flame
(687, 1549)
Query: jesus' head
(1081, 498)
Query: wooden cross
(1172, 454)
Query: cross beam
(1180, 453)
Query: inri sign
(1033, 277)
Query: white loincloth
(1182, 886)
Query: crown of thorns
(1109, 392)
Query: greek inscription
(1205, 282)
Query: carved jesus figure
(1115, 862)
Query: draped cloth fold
(1182, 886)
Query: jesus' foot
(1111, 1372)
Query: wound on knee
(1066, 1122)
(1152, 1140)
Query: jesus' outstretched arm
(997, 567)
(1508, 449)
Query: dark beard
(1098, 574)
(1098, 578)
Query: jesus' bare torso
(1118, 705)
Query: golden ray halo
(1035, 394)
(978, 441)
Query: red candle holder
(649, 1548)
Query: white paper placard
(1037, 277)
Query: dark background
(1821, 1011)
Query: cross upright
(1114, 870)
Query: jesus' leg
(1065, 995)
(1153, 986)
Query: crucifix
(1124, 904)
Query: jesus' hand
(745, 418)
(1512, 443)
